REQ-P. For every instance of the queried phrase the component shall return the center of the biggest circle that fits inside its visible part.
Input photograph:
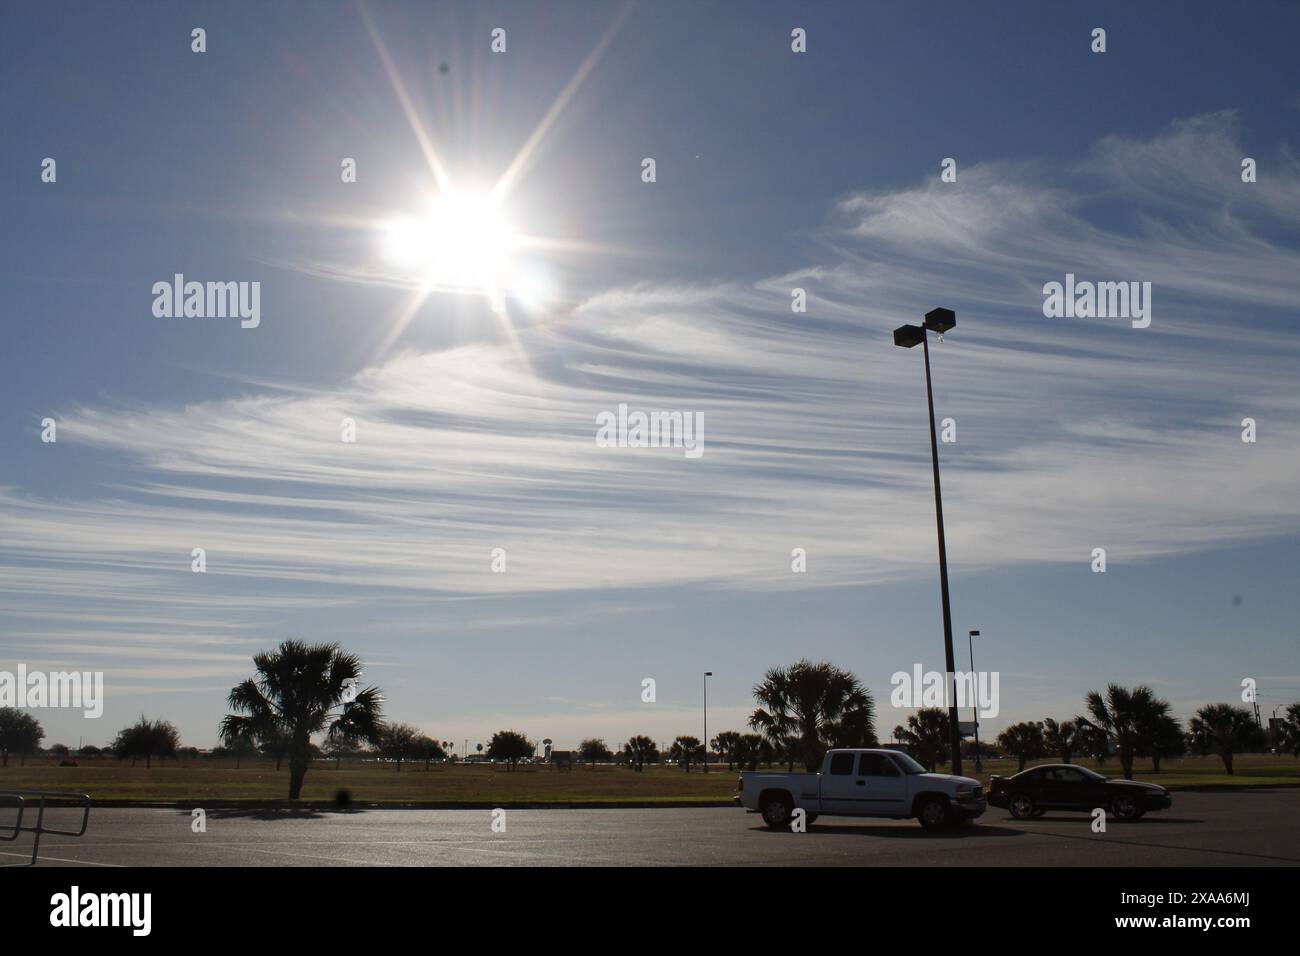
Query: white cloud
(1072, 433)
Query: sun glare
(460, 244)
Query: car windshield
(1090, 774)
(907, 763)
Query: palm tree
(725, 746)
(1062, 739)
(807, 708)
(300, 690)
(1289, 731)
(1127, 717)
(1165, 738)
(1225, 730)
(749, 750)
(926, 736)
(685, 749)
(1024, 741)
(1092, 741)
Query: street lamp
(707, 675)
(910, 336)
(975, 686)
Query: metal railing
(22, 799)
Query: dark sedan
(1063, 786)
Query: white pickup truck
(863, 783)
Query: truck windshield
(907, 763)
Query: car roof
(1052, 766)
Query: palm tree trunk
(297, 771)
(299, 757)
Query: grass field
(196, 781)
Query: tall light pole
(975, 709)
(707, 675)
(910, 336)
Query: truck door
(884, 784)
(875, 786)
(837, 783)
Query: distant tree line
(301, 691)
(1126, 723)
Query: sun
(460, 243)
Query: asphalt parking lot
(1244, 828)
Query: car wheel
(933, 813)
(1022, 806)
(1125, 808)
(776, 811)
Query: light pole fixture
(707, 675)
(975, 708)
(938, 321)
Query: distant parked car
(1063, 786)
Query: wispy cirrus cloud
(1072, 434)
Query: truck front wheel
(933, 813)
(776, 809)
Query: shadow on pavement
(1110, 821)
(914, 832)
(274, 813)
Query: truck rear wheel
(933, 813)
(776, 809)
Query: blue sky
(775, 170)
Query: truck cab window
(842, 764)
(876, 765)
